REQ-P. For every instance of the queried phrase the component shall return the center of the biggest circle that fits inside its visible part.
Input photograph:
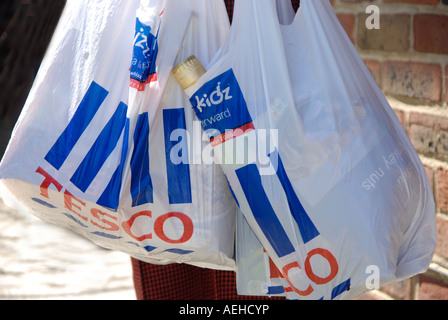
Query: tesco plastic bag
(177, 207)
(78, 99)
(256, 274)
(319, 165)
(92, 154)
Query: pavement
(39, 261)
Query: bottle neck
(188, 72)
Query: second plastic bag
(318, 163)
(176, 207)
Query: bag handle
(255, 41)
(285, 12)
(246, 13)
(259, 19)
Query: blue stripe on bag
(101, 150)
(306, 226)
(250, 180)
(276, 290)
(179, 184)
(90, 104)
(179, 251)
(111, 196)
(344, 286)
(141, 182)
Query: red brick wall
(408, 56)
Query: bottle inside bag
(188, 72)
(219, 105)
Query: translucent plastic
(329, 182)
(101, 144)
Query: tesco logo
(107, 221)
(159, 223)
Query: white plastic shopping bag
(77, 103)
(256, 273)
(178, 207)
(319, 165)
(91, 148)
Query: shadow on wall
(5, 134)
(26, 28)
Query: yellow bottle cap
(188, 72)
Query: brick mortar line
(391, 8)
(425, 109)
(433, 163)
(444, 83)
(412, 35)
(406, 56)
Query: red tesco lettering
(108, 221)
(327, 255)
(158, 227)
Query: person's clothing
(185, 282)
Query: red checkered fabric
(184, 282)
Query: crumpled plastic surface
(93, 148)
(331, 185)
